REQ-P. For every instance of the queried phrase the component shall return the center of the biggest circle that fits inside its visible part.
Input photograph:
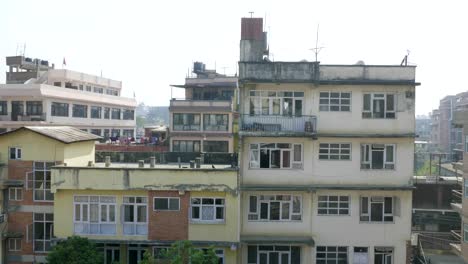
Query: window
(80, 87)
(335, 101)
(3, 108)
(43, 231)
(159, 253)
(42, 175)
(378, 156)
(94, 215)
(15, 193)
(377, 209)
(98, 90)
(115, 132)
(378, 105)
(275, 208)
(361, 255)
(88, 88)
(59, 109)
(135, 215)
(106, 112)
(218, 252)
(15, 153)
(127, 133)
(276, 156)
(186, 122)
(96, 112)
(96, 132)
(33, 107)
(383, 255)
(115, 114)
(335, 151)
(207, 209)
(276, 103)
(215, 146)
(14, 244)
(215, 122)
(128, 114)
(331, 254)
(185, 146)
(80, 111)
(273, 254)
(333, 205)
(166, 204)
(59, 84)
(111, 253)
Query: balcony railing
(276, 123)
(457, 196)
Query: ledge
(325, 187)
(277, 240)
(158, 242)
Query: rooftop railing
(278, 123)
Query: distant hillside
(152, 115)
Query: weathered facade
(326, 155)
(27, 156)
(203, 121)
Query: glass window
(135, 215)
(94, 215)
(98, 90)
(265, 254)
(215, 146)
(186, 146)
(166, 204)
(276, 156)
(377, 209)
(96, 112)
(43, 231)
(15, 193)
(378, 156)
(128, 114)
(41, 181)
(215, 122)
(106, 112)
(80, 111)
(335, 101)
(96, 132)
(333, 205)
(383, 255)
(207, 209)
(115, 113)
(186, 122)
(14, 244)
(59, 109)
(15, 153)
(275, 208)
(3, 108)
(335, 151)
(34, 108)
(378, 105)
(331, 255)
(276, 103)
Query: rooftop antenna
(404, 62)
(317, 49)
(251, 14)
(224, 69)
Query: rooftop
(64, 134)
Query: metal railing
(456, 234)
(278, 123)
(457, 196)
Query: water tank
(198, 67)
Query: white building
(326, 155)
(38, 94)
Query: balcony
(456, 202)
(271, 125)
(200, 105)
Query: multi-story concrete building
(423, 128)
(203, 120)
(37, 94)
(435, 125)
(326, 155)
(27, 155)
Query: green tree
(75, 250)
(182, 252)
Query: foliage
(182, 252)
(425, 169)
(75, 250)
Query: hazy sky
(151, 44)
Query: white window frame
(386, 252)
(328, 151)
(258, 96)
(43, 240)
(366, 156)
(369, 113)
(86, 224)
(14, 244)
(329, 252)
(200, 209)
(15, 193)
(256, 148)
(274, 249)
(255, 215)
(135, 227)
(18, 153)
(44, 190)
(340, 102)
(168, 204)
(324, 203)
(366, 213)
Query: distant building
(423, 128)
(37, 94)
(203, 120)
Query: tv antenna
(404, 62)
(251, 14)
(224, 69)
(317, 49)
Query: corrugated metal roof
(65, 134)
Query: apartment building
(461, 205)
(27, 155)
(203, 120)
(130, 208)
(36, 94)
(326, 155)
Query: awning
(277, 240)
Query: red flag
(64, 62)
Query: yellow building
(26, 157)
